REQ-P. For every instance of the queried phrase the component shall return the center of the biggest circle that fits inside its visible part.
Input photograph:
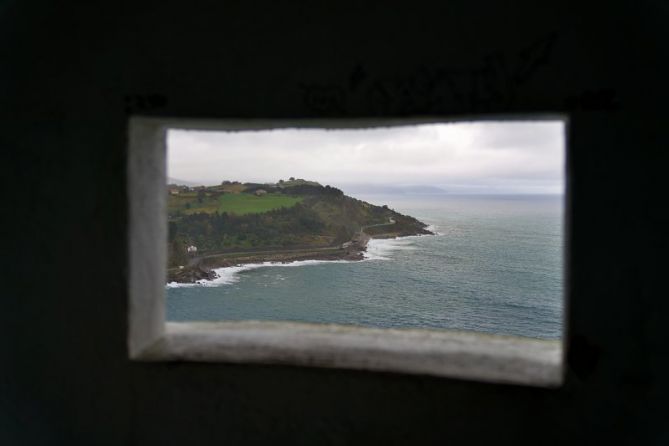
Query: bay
(495, 266)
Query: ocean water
(495, 266)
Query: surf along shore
(202, 267)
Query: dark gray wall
(73, 72)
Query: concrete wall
(73, 73)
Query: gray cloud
(504, 157)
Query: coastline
(203, 269)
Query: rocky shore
(203, 268)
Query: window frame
(442, 353)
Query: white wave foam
(230, 274)
(379, 249)
(179, 285)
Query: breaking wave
(377, 249)
(230, 274)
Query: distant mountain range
(394, 190)
(184, 182)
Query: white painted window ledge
(456, 354)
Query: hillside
(225, 221)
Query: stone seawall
(203, 268)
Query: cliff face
(306, 216)
(347, 216)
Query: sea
(494, 265)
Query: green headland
(235, 223)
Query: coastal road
(196, 260)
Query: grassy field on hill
(232, 203)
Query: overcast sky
(490, 157)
